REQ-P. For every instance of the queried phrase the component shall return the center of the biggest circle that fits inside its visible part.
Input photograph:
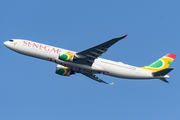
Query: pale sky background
(30, 89)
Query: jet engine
(67, 57)
(62, 70)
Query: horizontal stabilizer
(162, 72)
(164, 80)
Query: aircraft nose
(5, 43)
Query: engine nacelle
(67, 56)
(62, 70)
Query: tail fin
(161, 64)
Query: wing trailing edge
(94, 77)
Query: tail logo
(157, 64)
(169, 62)
(161, 64)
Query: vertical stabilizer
(161, 64)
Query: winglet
(124, 36)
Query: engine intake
(62, 70)
(67, 57)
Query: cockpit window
(11, 40)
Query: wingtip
(124, 36)
(111, 83)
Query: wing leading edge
(88, 56)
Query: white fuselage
(100, 66)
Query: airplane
(88, 63)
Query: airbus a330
(88, 63)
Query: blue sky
(30, 89)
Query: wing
(88, 56)
(94, 77)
